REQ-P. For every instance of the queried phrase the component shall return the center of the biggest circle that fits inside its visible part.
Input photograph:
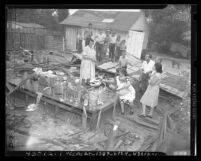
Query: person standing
(100, 45)
(150, 97)
(106, 43)
(87, 68)
(146, 70)
(88, 34)
(112, 46)
(117, 48)
(122, 46)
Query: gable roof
(123, 21)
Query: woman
(150, 97)
(125, 91)
(117, 50)
(87, 68)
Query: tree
(168, 24)
(62, 14)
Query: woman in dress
(150, 97)
(87, 68)
(125, 91)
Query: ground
(51, 133)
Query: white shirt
(113, 39)
(100, 38)
(147, 67)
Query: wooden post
(84, 118)
(111, 139)
(98, 121)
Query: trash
(32, 107)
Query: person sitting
(125, 91)
(150, 97)
(146, 70)
(123, 62)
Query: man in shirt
(100, 45)
(112, 46)
(123, 62)
(146, 69)
(88, 34)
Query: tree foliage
(43, 17)
(168, 24)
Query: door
(135, 43)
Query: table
(91, 114)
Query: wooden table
(91, 114)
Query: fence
(32, 41)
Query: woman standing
(87, 68)
(150, 97)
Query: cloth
(147, 67)
(100, 38)
(129, 92)
(150, 97)
(87, 41)
(87, 68)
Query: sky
(71, 11)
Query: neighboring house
(131, 26)
(26, 27)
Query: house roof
(28, 25)
(123, 21)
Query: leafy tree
(168, 24)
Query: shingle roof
(122, 20)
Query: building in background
(131, 26)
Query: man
(88, 34)
(106, 43)
(146, 69)
(123, 62)
(112, 46)
(100, 45)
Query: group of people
(104, 43)
(149, 79)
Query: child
(125, 91)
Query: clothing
(111, 51)
(147, 67)
(99, 51)
(130, 91)
(123, 62)
(87, 34)
(113, 39)
(117, 53)
(143, 84)
(87, 68)
(150, 97)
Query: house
(131, 26)
(26, 27)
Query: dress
(87, 68)
(130, 96)
(150, 97)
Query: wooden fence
(31, 41)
